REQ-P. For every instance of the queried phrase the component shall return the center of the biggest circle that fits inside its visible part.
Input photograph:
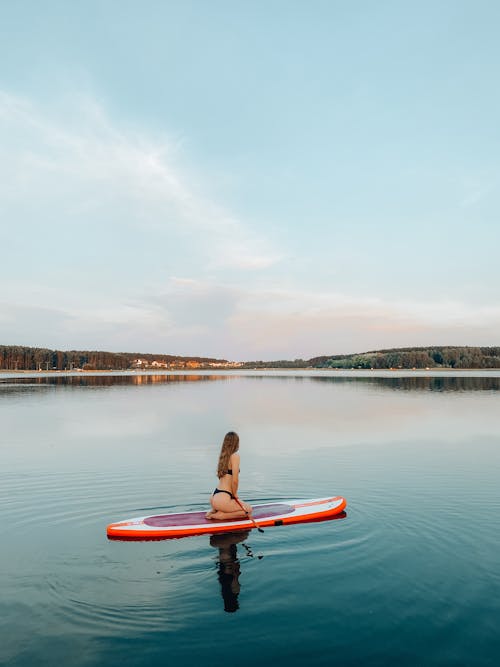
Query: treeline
(282, 363)
(415, 357)
(13, 357)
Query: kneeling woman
(225, 502)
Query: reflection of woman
(229, 567)
(225, 502)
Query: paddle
(248, 515)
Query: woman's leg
(212, 510)
(246, 507)
(226, 508)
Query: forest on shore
(14, 357)
(416, 357)
(404, 357)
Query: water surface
(410, 576)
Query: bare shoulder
(235, 459)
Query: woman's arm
(235, 467)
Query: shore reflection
(109, 380)
(420, 383)
(443, 383)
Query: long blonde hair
(230, 445)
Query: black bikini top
(230, 472)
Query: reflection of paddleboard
(195, 523)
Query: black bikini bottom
(223, 491)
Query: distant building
(159, 364)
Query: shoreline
(297, 372)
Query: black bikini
(229, 472)
(223, 491)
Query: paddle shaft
(248, 515)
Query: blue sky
(249, 179)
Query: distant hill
(415, 357)
(404, 357)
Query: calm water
(411, 575)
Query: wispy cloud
(310, 323)
(200, 317)
(478, 190)
(86, 165)
(251, 322)
(108, 243)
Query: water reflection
(420, 383)
(228, 566)
(228, 563)
(443, 383)
(107, 380)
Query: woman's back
(230, 476)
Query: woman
(225, 502)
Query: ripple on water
(137, 588)
(98, 616)
(386, 548)
(78, 498)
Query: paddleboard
(185, 524)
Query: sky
(271, 179)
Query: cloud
(77, 168)
(253, 322)
(29, 325)
(210, 318)
(197, 303)
(108, 243)
(477, 191)
(279, 323)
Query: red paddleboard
(195, 523)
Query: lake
(410, 576)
